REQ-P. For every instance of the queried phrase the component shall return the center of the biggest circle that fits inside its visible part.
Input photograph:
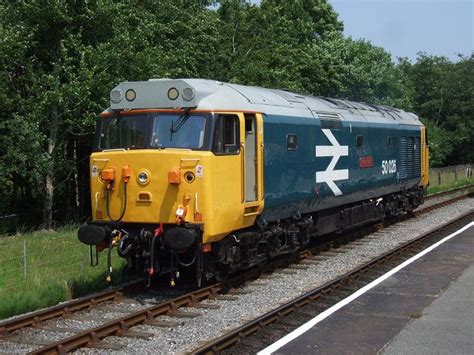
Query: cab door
(251, 126)
(424, 158)
(251, 161)
(233, 196)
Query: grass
(432, 189)
(57, 269)
(57, 266)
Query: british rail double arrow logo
(335, 150)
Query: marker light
(188, 94)
(130, 95)
(142, 177)
(173, 94)
(116, 96)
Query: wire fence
(450, 174)
(47, 259)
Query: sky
(404, 27)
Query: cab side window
(391, 142)
(226, 135)
(291, 142)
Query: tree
(443, 94)
(270, 45)
(300, 46)
(60, 60)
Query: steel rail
(64, 309)
(427, 209)
(449, 192)
(93, 336)
(236, 335)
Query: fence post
(455, 173)
(25, 260)
(17, 222)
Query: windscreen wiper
(180, 123)
(116, 113)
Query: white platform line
(305, 327)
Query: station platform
(426, 307)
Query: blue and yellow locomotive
(217, 177)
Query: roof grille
(327, 115)
(289, 96)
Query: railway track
(174, 308)
(334, 290)
(35, 319)
(457, 192)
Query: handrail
(262, 172)
(242, 151)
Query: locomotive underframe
(249, 247)
(171, 249)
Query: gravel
(266, 294)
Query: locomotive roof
(214, 95)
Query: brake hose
(189, 263)
(107, 204)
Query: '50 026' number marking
(389, 166)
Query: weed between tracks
(42, 268)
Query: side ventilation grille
(411, 156)
(403, 157)
(417, 159)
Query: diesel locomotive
(212, 177)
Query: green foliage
(299, 46)
(443, 96)
(440, 143)
(57, 269)
(61, 58)
(451, 185)
(269, 45)
(358, 71)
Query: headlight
(116, 96)
(188, 94)
(130, 95)
(173, 94)
(143, 177)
